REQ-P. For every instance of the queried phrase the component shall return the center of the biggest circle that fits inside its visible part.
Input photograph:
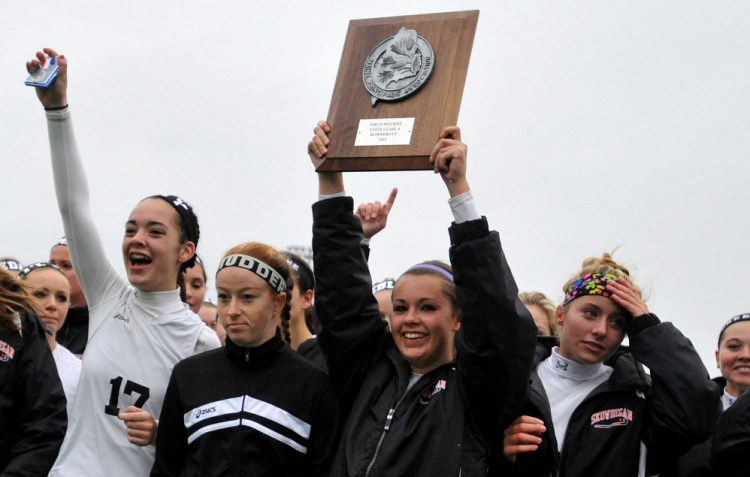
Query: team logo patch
(610, 418)
(204, 411)
(425, 397)
(560, 364)
(119, 316)
(6, 351)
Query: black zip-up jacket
(731, 443)
(669, 411)
(235, 411)
(74, 333)
(444, 424)
(695, 462)
(33, 418)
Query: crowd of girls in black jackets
(454, 378)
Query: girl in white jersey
(139, 328)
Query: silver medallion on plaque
(398, 66)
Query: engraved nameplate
(384, 132)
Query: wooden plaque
(397, 134)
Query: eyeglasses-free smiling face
(591, 329)
(59, 255)
(52, 294)
(195, 287)
(423, 322)
(733, 357)
(151, 247)
(248, 308)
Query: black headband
(187, 217)
(388, 284)
(252, 264)
(11, 265)
(305, 275)
(36, 266)
(188, 223)
(736, 319)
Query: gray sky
(591, 125)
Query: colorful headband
(263, 270)
(735, 319)
(430, 266)
(36, 266)
(11, 265)
(590, 284)
(384, 285)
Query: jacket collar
(256, 357)
(403, 370)
(628, 374)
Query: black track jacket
(669, 411)
(443, 425)
(235, 411)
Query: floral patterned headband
(589, 284)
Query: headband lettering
(183, 209)
(11, 265)
(589, 284)
(736, 319)
(384, 285)
(36, 266)
(252, 264)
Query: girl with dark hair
(303, 317)
(301, 302)
(139, 328)
(32, 402)
(193, 283)
(256, 391)
(422, 399)
(731, 440)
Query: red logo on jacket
(6, 351)
(611, 418)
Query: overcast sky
(591, 125)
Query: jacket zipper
(386, 428)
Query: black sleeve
(683, 403)
(39, 407)
(731, 445)
(352, 332)
(324, 435)
(171, 436)
(497, 337)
